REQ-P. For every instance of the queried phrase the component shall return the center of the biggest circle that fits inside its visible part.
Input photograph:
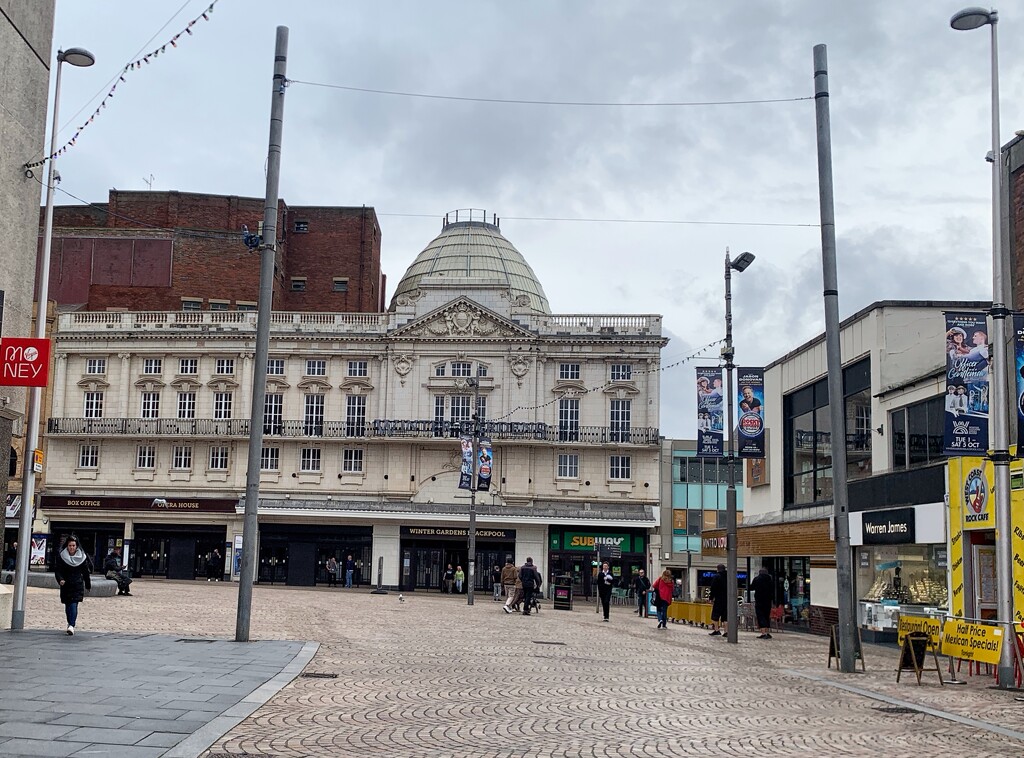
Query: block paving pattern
(433, 677)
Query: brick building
(160, 251)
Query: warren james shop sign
(890, 527)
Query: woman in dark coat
(719, 598)
(72, 570)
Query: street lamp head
(742, 262)
(972, 18)
(76, 56)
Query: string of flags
(134, 65)
(699, 353)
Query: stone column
(126, 385)
(59, 389)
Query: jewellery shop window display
(893, 579)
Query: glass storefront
(896, 579)
(574, 555)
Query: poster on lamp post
(485, 465)
(466, 472)
(967, 384)
(750, 409)
(710, 412)
(1018, 354)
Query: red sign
(24, 362)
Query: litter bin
(562, 600)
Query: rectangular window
(917, 433)
(218, 458)
(461, 408)
(352, 461)
(96, 366)
(340, 284)
(309, 460)
(358, 368)
(439, 369)
(462, 369)
(225, 367)
(619, 467)
(568, 371)
(188, 366)
(275, 366)
(569, 419)
(222, 402)
(620, 418)
(94, 405)
(270, 459)
(245, 306)
(145, 457)
(150, 405)
(153, 366)
(481, 370)
(88, 456)
(181, 458)
(568, 466)
(313, 415)
(301, 227)
(190, 304)
(298, 284)
(720, 519)
(186, 405)
(438, 415)
(316, 367)
(273, 413)
(219, 305)
(481, 409)
(355, 415)
(694, 522)
(622, 372)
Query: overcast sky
(910, 126)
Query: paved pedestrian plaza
(433, 677)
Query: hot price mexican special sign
(24, 362)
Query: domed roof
(474, 249)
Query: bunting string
(697, 354)
(129, 67)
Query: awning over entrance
(790, 538)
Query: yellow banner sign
(972, 642)
(929, 626)
(975, 490)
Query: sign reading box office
(971, 642)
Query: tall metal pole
(28, 476)
(268, 253)
(475, 382)
(837, 414)
(1001, 393)
(731, 582)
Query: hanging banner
(710, 413)
(975, 488)
(485, 463)
(967, 378)
(466, 472)
(1018, 352)
(750, 401)
(957, 574)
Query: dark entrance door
(181, 563)
(409, 566)
(301, 564)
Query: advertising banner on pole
(710, 412)
(967, 384)
(1018, 354)
(750, 401)
(485, 464)
(466, 472)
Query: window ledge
(181, 476)
(144, 475)
(619, 485)
(86, 473)
(216, 476)
(270, 477)
(352, 478)
(310, 477)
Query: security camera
(159, 502)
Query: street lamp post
(75, 56)
(732, 584)
(474, 382)
(965, 20)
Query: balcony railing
(378, 428)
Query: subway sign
(589, 543)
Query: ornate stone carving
(124, 356)
(408, 298)
(520, 365)
(403, 364)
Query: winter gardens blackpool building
(147, 440)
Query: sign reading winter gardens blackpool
(967, 384)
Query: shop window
(917, 432)
(895, 579)
(808, 436)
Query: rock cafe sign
(24, 362)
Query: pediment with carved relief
(462, 319)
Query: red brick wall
(209, 260)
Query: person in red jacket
(662, 588)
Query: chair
(619, 595)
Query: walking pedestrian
(510, 581)
(531, 583)
(449, 580)
(350, 571)
(12, 557)
(641, 586)
(72, 571)
(496, 583)
(214, 566)
(763, 587)
(663, 587)
(605, 582)
(718, 596)
(460, 579)
(332, 572)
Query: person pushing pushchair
(112, 569)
